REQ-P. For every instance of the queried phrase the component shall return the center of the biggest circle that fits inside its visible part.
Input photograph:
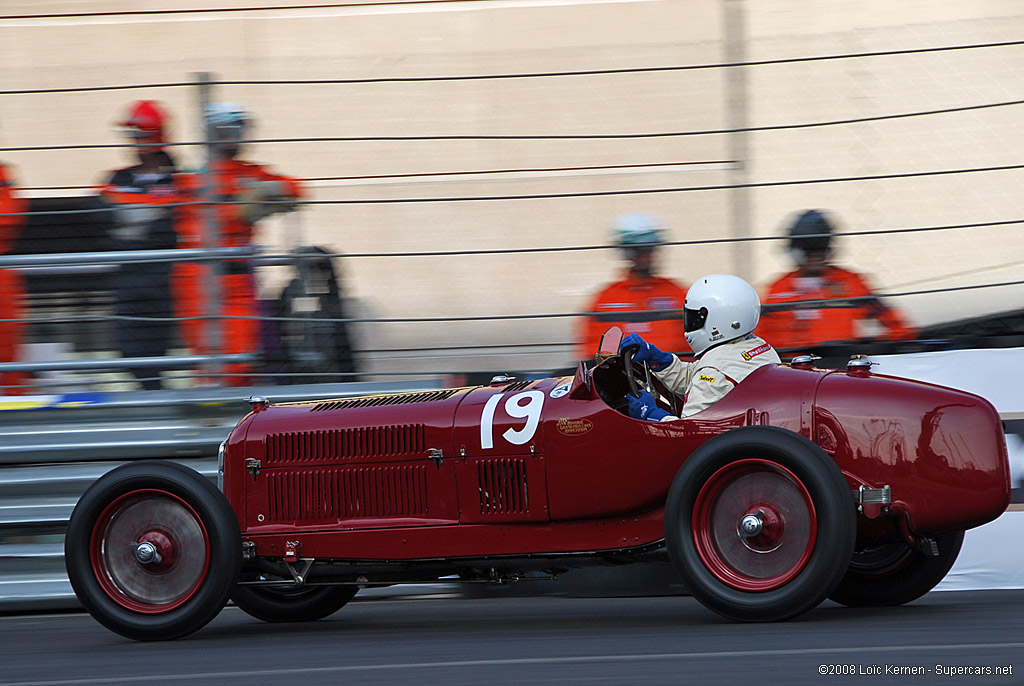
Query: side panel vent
(305, 447)
(377, 400)
(307, 495)
(502, 485)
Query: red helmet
(145, 122)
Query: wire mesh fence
(459, 199)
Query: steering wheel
(632, 381)
(635, 383)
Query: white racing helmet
(719, 308)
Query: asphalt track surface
(540, 640)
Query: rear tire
(284, 604)
(894, 573)
(760, 523)
(153, 550)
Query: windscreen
(610, 342)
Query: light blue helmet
(227, 118)
(637, 230)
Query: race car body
(801, 484)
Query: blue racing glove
(658, 359)
(644, 407)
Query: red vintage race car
(801, 484)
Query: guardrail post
(212, 305)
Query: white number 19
(514, 407)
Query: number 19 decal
(526, 405)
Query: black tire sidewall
(835, 520)
(218, 520)
(911, 580)
(317, 603)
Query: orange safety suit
(651, 307)
(790, 322)
(142, 204)
(12, 286)
(234, 181)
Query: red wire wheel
(153, 550)
(150, 551)
(760, 523)
(754, 525)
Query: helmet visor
(229, 132)
(694, 319)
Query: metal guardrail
(37, 503)
(52, 448)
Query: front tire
(284, 604)
(760, 523)
(894, 573)
(153, 550)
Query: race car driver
(719, 317)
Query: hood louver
(517, 386)
(328, 445)
(378, 400)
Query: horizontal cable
(230, 10)
(99, 89)
(524, 75)
(684, 189)
(477, 172)
(623, 70)
(168, 362)
(691, 242)
(521, 137)
(548, 196)
(129, 256)
(260, 259)
(482, 348)
(494, 317)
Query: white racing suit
(705, 381)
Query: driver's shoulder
(740, 353)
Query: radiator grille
(503, 486)
(347, 493)
(338, 444)
(376, 400)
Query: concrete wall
(866, 87)
(359, 40)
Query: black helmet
(811, 232)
